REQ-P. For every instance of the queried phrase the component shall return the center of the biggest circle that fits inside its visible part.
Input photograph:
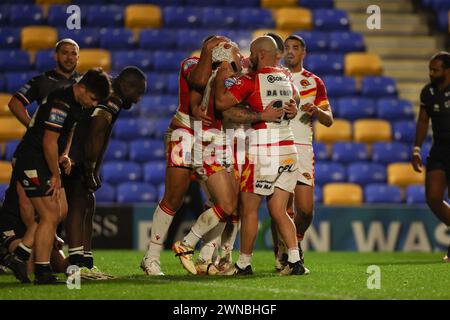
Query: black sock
(23, 252)
(42, 268)
(88, 259)
(76, 256)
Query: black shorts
(439, 159)
(34, 175)
(10, 221)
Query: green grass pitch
(334, 275)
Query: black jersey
(59, 113)
(437, 105)
(41, 85)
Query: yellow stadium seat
(38, 37)
(342, 194)
(362, 64)
(372, 130)
(260, 32)
(278, 3)
(340, 130)
(4, 100)
(143, 16)
(11, 128)
(402, 174)
(5, 171)
(293, 19)
(92, 58)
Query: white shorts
(305, 155)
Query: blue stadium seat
(10, 148)
(316, 41)
(320, 151)
(157, 82)
(238, 3)
(377, 87)
(9, 37)
(85, 37)
(57, 16)
(442, 20)
(387, 152)
(440, 5)
(343, 41)
(316, 4)
(168, 61)
(181, 17)
(117, 150)
(216, 17)
(425, 151)
(4, 15)
(131, 129)
(2, 83)
(3, 187)
(255, 18)
(382, 193)
(45, 60)
(318, 194)
(204, 3)
(331, 63)
(191, 39)
(340, 86)
(392, 109)
(163, 3)
(157, 39)
(415, 194)
(161, 188)
(144, 150)
(139, 58)
(346, 152)
(115, 172)
(356, 108)
(116, 38)
(25, 15)
(241, 37)
(330, 19)
(136, 192)
(14, 60)
(404, 131)
(364, 173)
(105, 16)
(106, 193)
(172, 83)
(15, 80)
(158, 105)
(155, 172)
(326, 172)
(161, 126)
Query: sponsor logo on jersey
(305, 83)
(57, 116)
(271, 78)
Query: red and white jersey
(312, 90)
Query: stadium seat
(155, 172)
(136, 192)
(346, 152)
(48, 2)
(340, 86)
(326, 172)
(9, 37)
(339, 131)
(217, 17)
(388, 152)
(320, 151)
(3, 188)
(330, 63)
(343, 41)
(255, 18)
(161, 126)
(271, 4)
(115, 172)
(316, 4)
(15, 80)
(106, 194)
(404, 131)
(181, 17)
(116, 38)
(378, 193)
(342, 194)
(392, 109)
(139, 58)
(57, 16)
(330, 19)
(425, 151)
(316, 41)
(14, 60)
(371, 130)
(10, 148)
(318, 194)
(117, 150)
(172, 80)
(45, 60)
(4, 109)
(131, 129)
(161, 188)
(403, 174)
(191, 39)
(92, 58)
(362, 64)
(415, 194)
(238, 3)
(143, 16)
(23, 15)
(5, 171)
(157, 39)
(144, 150)
(378, 87)
(168, 61)
(85, 37)
(4, 15)
(355, 108)
(443, 20)
(364, 173)
(242, 37)
(38, 38)
(158, 105)
(10, 128)
(2, 83)
(203, 3)
(105, 16)
(157, 82)
(293, 18)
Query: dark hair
(132, 77)
(443, 56)
(298, 38)
(98, 82)
(278, 40)
(62, 42)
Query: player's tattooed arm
(242, 115)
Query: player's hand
(416, 162)
(271, 114)
(290, 108)
(55, 187)
(66, 163)
(214, 41)
(200, 115)
(98, 181)
(305, 118)
(89, 177)
(58, 244)
(309, 109)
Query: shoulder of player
(188, 62)
(110, 106)
(427, 89)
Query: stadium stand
(5, 171)
(342, 194)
